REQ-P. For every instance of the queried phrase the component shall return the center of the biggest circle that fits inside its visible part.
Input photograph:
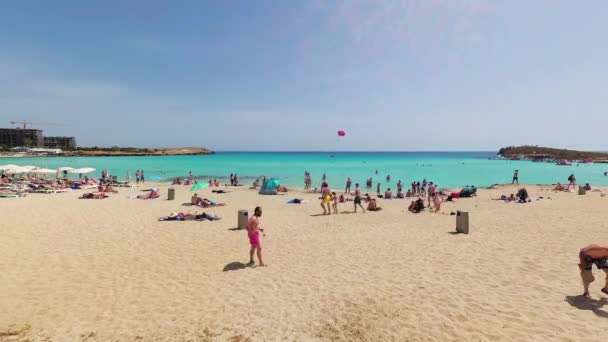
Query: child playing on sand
(334, 205)
(437, 201)
(253, 231)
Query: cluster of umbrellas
(33, 169)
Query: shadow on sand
(589, 304)
(234, 266)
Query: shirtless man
(593, 254)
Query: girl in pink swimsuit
(253, 232)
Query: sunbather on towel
(91, 195)
(189, 216)
(108, 188)
(206, 203)
(151, 195)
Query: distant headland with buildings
(28, 142)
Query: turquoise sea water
(448, 169)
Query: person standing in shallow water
(515, 177)
(253, 232)
(348, 183)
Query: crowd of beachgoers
(399, 224)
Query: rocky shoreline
(547, 154)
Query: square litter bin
(243, 218)
(462, 222)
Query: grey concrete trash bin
(171, 194)
(582, 190)
(462, 222)
(243, 218)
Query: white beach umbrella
(65, 168)
(128, 179)
(8, 167)
(82, 170)
(20, 169)
(49, 171)
(16, 169)
(28, 167)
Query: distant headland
(105, 152)
(131, 151)
(537, 153)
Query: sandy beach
(108, 270)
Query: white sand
(107, 270)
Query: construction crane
(26, 123)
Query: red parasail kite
(341, 133)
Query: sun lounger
(7, 195)
(126, 185)
(86, 187)
(50, 191)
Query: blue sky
(286, 75)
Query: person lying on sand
(108, 188)
(506, 198)
(99, 195)
(593, 254)
(151, 195)
(189, 217)
(206, 203)
(559, 187)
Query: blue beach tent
(270, 187)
